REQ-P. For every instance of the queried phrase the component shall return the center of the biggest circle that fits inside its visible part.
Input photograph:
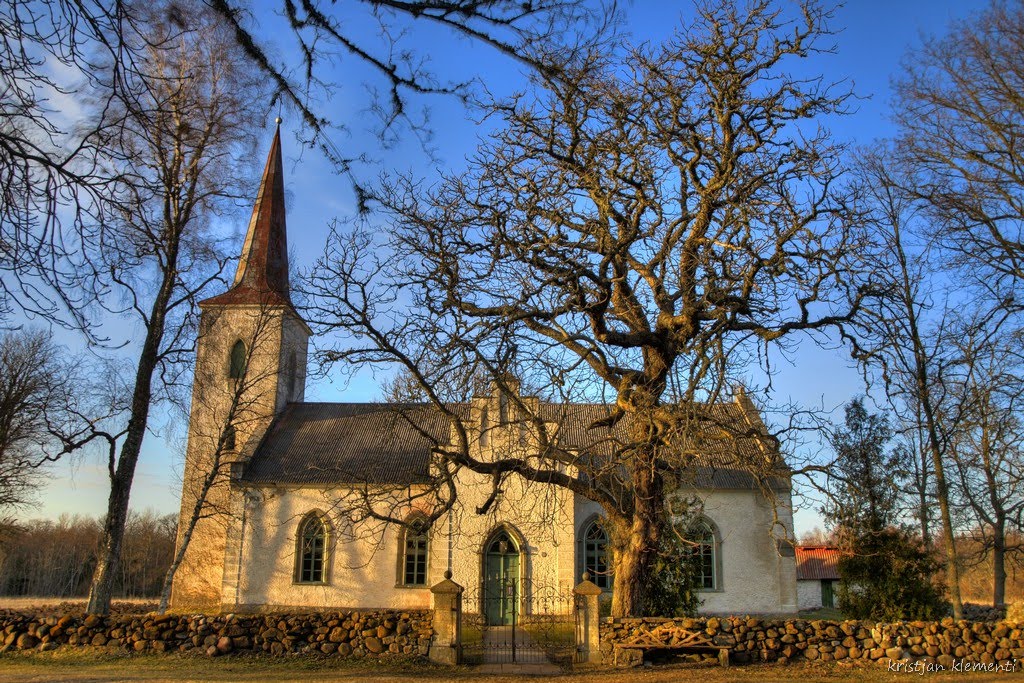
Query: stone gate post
(588, 636)
(446, 646)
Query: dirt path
(77, 667)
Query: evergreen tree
(886, 574)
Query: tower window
(236, 366)
(229, 438)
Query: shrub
(887, 576)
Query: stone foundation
(378, 633)
(942, 643)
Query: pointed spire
(262, 275)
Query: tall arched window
(705, 552)
(236, 365)
(414, 554)
(595, 554)
(311, 566)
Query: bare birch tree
(633, 235)
(181, 148)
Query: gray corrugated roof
(327, 443)
(324, 443)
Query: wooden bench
(672, 640)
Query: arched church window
(705, 553)
(414, 554)
(312, 556)
(236, 366)
(596, 561)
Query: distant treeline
(56, 558)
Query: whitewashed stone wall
(808, 594)
(362, 562)
(755, 577)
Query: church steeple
(262, 275)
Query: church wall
(753, 577)
(538, 517)
(362, 573)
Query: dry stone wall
(343, 634)
(946, 644)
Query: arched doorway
(501, 579)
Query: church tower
(250, 362)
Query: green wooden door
(827, 598)
(501, 581)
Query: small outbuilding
(817, 576)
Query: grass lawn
(87, 666)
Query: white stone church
(275, 476)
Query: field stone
(224, 644)
(26, 641)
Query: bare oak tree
(634, 234)
(987, 456)
(907, 335)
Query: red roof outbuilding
(816, 563)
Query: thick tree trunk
(634, 560)
(101, 590)
(637, 541)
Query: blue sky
(872, 39)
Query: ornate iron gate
(502, 624)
